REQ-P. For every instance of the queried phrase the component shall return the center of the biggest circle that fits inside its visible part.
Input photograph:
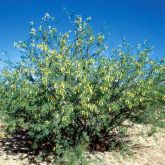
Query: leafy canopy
(67, 90)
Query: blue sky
(134, 19)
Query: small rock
(15, 157)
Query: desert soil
(148, 150)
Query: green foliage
(73, 156)
(68, 91)
(154, 115)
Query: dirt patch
(148, 150)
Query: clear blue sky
(135, 19)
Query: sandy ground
(148, 150)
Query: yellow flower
(42, 47)
(62, 85)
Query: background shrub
(68, 91)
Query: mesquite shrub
(68, 90)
